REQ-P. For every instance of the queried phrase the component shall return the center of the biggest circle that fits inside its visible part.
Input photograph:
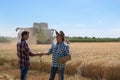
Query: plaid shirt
(23, 53)
(58, 50)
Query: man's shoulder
(21, 42)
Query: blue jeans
(54, 71)
(24, 71)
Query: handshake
(40, 54)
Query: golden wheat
(90, 61)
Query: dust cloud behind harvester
(39, 33)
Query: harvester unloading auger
(39, 33)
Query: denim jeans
(24, 71)
(54, 71)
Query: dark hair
(24, 33)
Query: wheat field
(90, 61)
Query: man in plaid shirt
(24, 53)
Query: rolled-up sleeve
(28, 50)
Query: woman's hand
(40, 54)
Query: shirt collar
(22, 39)
(60, 42)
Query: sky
(99, 18)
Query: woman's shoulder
(65, 44)
(54, 44)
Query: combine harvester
(39, 33)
